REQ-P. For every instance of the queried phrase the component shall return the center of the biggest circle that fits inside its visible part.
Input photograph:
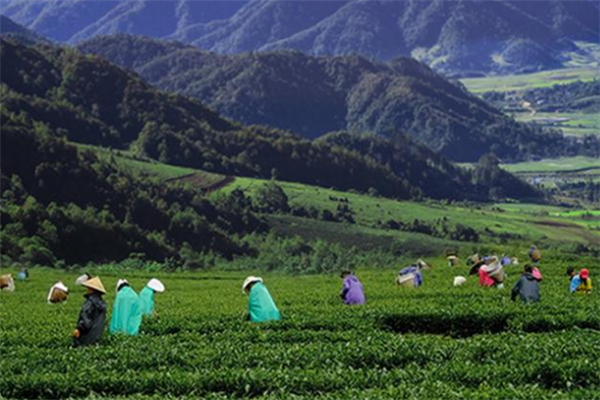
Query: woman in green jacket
(261, 306)
(147, 296)
(127, 314)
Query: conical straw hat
(94, 283)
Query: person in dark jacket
(527, 287)
(92, 316)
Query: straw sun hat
(94, 283)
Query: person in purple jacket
(352, 291)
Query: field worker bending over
(352, 290)
(261, 306)
(92, 315)
(453, 261)
(571, 274)
(581, 283)
(411, 276)
(535, 254)
(527, 287)
(7, 283)
(452, 257)
(58, 293)
(23, 274)
(491, 272)
(476, 262)
(127, 314)
(147, 296)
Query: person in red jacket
(485, 279)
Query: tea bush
(434, 342)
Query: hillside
(62, 203)
(10, 29)
(457, 37)
(315, 95)
(87, 100)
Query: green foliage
(270, 198)
(295, 255)
(435, 342)
(61, 203)
(498, 182)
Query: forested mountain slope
(315, 95)
(86, 99)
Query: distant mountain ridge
(461, 37)
(9, 28)
(59, 92)
(315, 95)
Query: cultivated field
(572, 124)
(127, 162)
(434, 342)
(507, 83)
(369, 211)
(533, 222)
(565, 164)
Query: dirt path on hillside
(203, 182)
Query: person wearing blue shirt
(574, 279)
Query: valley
(204, 143)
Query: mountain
(461, 37)
(10, 29)
(86, 99)
(315, 95)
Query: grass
(573, 124)
(126, 161)
(508, 83)
(576, 131)
(565, 164)
(434, 342)
(370, 210)
(580, 213)
(361, 237)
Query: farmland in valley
(572, 124)
(510, 83)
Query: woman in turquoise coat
(147, 296)
(261, 306)
(127, 314)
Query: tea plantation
(434, 342)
